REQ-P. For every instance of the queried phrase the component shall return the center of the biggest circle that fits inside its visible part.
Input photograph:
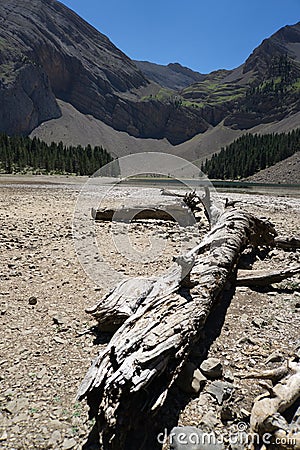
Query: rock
(220, 390)
(58, 319)
(59, 340)
(212, 368)
(55, 438)
(42, 373)
(69, 444)
(23, 417)
(259, 322)
(191, 380)
(3, 309)
(4, 436)
(274, 357)
(32, 301)
(244, 318)
(228, 375)
(16, 405)
(247, 340)
(191, 438)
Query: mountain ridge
(173, 76)
(48, 55)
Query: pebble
(56, 437)
(4, 436)
(69, 444)
(32, 301)
(58, 319)
(259, 322)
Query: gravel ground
(45, 350)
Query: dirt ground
(45, 350)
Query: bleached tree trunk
(163, 319)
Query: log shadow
(178, 400)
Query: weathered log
(266, 415)
(144, 357)
(264, 277)
(178, 212)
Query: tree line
(21, 154)
(251, 153)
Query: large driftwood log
(180, 211)
(144, 357)
(173, 212)
(266, 415)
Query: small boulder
(212, 368)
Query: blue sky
(203, 35)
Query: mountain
(48, 48)
(50, 52)
(61, 79)
(173, 76)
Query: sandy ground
(44, 291)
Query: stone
(3, 308)
(228, 375)
(69, 444)
(23, 417)
(247, 340)
(259, 322)
(212, 368)
(192, 438)
(32, 301)
(58, 319)
(220, 390)
(56, 437)
(4, 436)
(16, 405)
(191, 380)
